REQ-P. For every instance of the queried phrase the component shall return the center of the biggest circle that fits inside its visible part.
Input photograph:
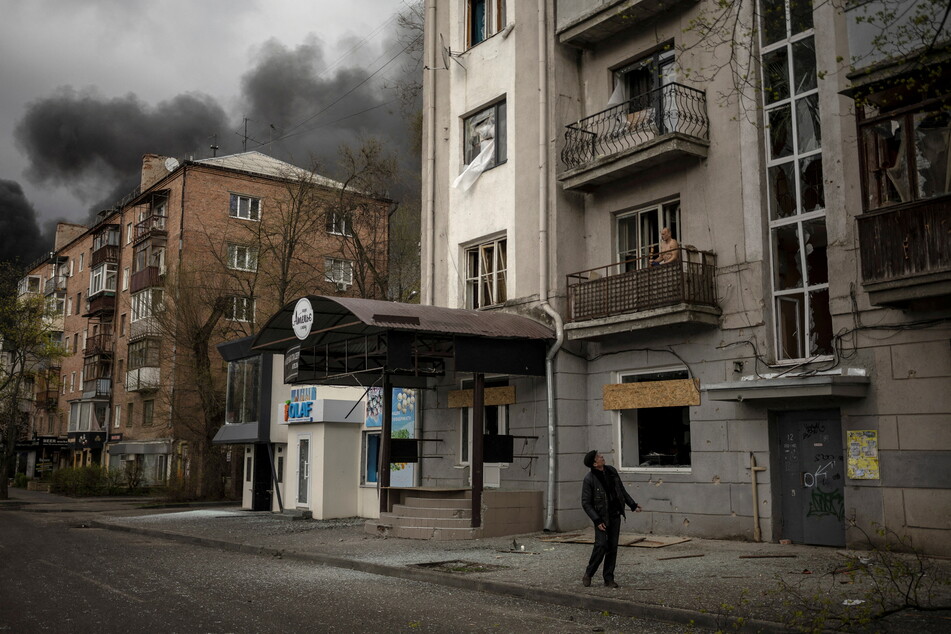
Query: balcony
(152, 226)
(56, 284)
(97, 388)
(142, 380)
(46, 399)
(666, 124)
(102, 303)
(634, 295)
(108, 253)
(143, 328)
(584, 23)
(906, 254)
(99, 344)
(146, 278)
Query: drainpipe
(429, 169)
(543, 265)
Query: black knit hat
(589, 458)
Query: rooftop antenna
(214, 145)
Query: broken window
(484, 144)
(906, 155)
(486, 266)
(655, 436)
(794, 176)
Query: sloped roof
(258, 163)
(341, 317)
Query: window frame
(100, 277)
(254, 207)
(619, 422)
(242, 257)
(146, 303)
(339, 223)
(233, 314)
(788, 92)
(667, 214)
(144, 353)
(479, 281)
(493, 21)
(330, 271)
(499, 113)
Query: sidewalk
(700, 581)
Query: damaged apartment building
(747, 282)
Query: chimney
(153, 170)
(66, 232)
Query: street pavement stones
(700, 582)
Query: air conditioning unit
(342, 286)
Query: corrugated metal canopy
(339, 318)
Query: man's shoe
(611, 584)
(586, 581)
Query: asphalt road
(58, 575)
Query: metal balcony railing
(673, 108)
(100, 343)
(638, 285)
(150, 227)
(146, 278)
(142, 328)
(55, 284)
(906, 242)
(101, 303)
(97, 388)
(107, 253)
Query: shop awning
(352, 341)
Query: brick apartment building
(200, 244)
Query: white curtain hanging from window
(473, 170)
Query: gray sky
(87, 86)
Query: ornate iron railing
(673, 108)
(642, 284)
(906, 242)
(100, 343)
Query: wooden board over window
(673, 393)
(504, 395)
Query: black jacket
(594, 499)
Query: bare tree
(190, 321)
(27, 345)
(727, 33)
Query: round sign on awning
(303, 318)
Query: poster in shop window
(402, 474)
(863, 455)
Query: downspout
(544, 263)
(429, 169)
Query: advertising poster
(402, 474)
(863, 455)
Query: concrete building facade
(750, 293)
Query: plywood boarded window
(653, 417)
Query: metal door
(812, 468)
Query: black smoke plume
(21, 240)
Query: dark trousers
(605, 549)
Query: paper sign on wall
(863, 455)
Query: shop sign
(53, 441)
(300, 407)
(291, 363)
(115, 437)
(87, 439)
(302, 319)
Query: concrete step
(431, 522)
(446, 503)
(404, 510)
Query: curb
(556, 597)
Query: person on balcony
(669, 249)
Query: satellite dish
(447, 54)
(171, 164)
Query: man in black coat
(603, 497)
